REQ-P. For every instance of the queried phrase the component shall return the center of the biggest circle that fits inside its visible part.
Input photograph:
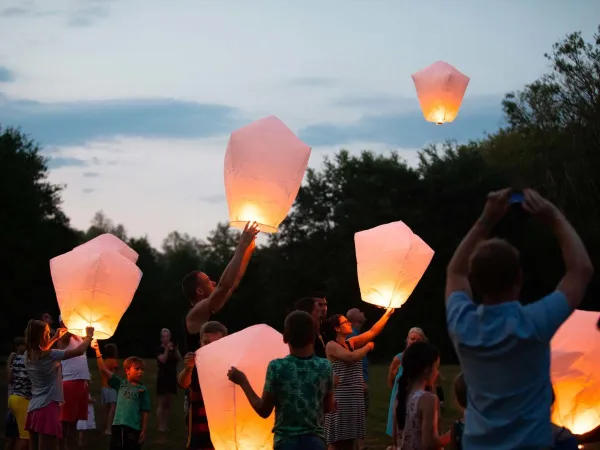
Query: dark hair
(18, 341)
(133, 361)
(34, 336)
(299, 329)
(460, 390)
(213, 327)
(189, 285)
(306, 304)
(495, 267)
(328, 327)
(110, 351)
(415, 360)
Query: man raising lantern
(208, 297)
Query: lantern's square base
(240, 224)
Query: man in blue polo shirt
(503, 346)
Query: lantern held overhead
(233, 424)
(390, 261)
(575, 371)
(264, 166)
(95, 284)
(440, 88)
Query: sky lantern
(264, 166)
(233, 424)
(440, 88)
(390, 261)
(575, 371)
(95, 283)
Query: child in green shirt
(133, 403)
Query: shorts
(45, 420)
(11, 428)
(108, 395)
(303, 442)
(75, 407)
(18, 407)
(124, 437)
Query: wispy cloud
(74, 123)
(216, 198)
(406, 127)
(91, 174)
(87, 15)
(88, 190)
(14, 11)
(59, 161)
(313, 82)
(6, 75)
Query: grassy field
(376, 421)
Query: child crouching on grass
(133, 403)
(299, 387)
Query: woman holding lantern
(344, 427)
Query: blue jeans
(303, 442)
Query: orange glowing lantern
(233, 423)
(95, 284)
(264, 166)
(575, 371)
(391, 260)
(440, 88)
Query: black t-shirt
(320, 346)
(191, 342)
(167, 371)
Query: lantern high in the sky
(233, 423)
(440, 88)
(264, 166)
(95, 283)
(575, 371)
(390, 261)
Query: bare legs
(109, 417)
(41, 441)
(162, 411)
(69, 438)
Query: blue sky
(133, 101)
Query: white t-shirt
(75, 368)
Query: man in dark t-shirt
(316, 307)
(206, 296)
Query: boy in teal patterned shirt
(299, 387)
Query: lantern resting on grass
(95, 284)
(575, 371)
(390, 261)
(233, 423)
(264, 166)
(440, 88)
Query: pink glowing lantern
(233, 424)
(264, 166)
(575, 371)
(440, 88)
(95, 284)
(390, 261)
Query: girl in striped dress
(346, 425)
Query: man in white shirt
(76, 388)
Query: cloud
(87, 16)
(75, 123)
(88, 190)
(91, 174)
(59, 161)
(6, 75)
(216, 198)
(406, 127)
(313, 82)
(14, 11)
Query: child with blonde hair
(43, 366)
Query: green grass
(376, 420)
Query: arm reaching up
(81, 348)
(229, 280)
(103, 370)
(262, 405)
(336, 351)
(363, 338)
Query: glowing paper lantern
(233, 424)
(390, 261)
(440, 88)
(264, 166)
(575, 371)
(95, 284)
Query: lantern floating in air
(575, 371)
(440, 88)
(233, 423)
(264, 166)
(390, 261)
(95, 284)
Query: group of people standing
(319, 393)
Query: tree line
(551, 143)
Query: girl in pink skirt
(44, 369)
